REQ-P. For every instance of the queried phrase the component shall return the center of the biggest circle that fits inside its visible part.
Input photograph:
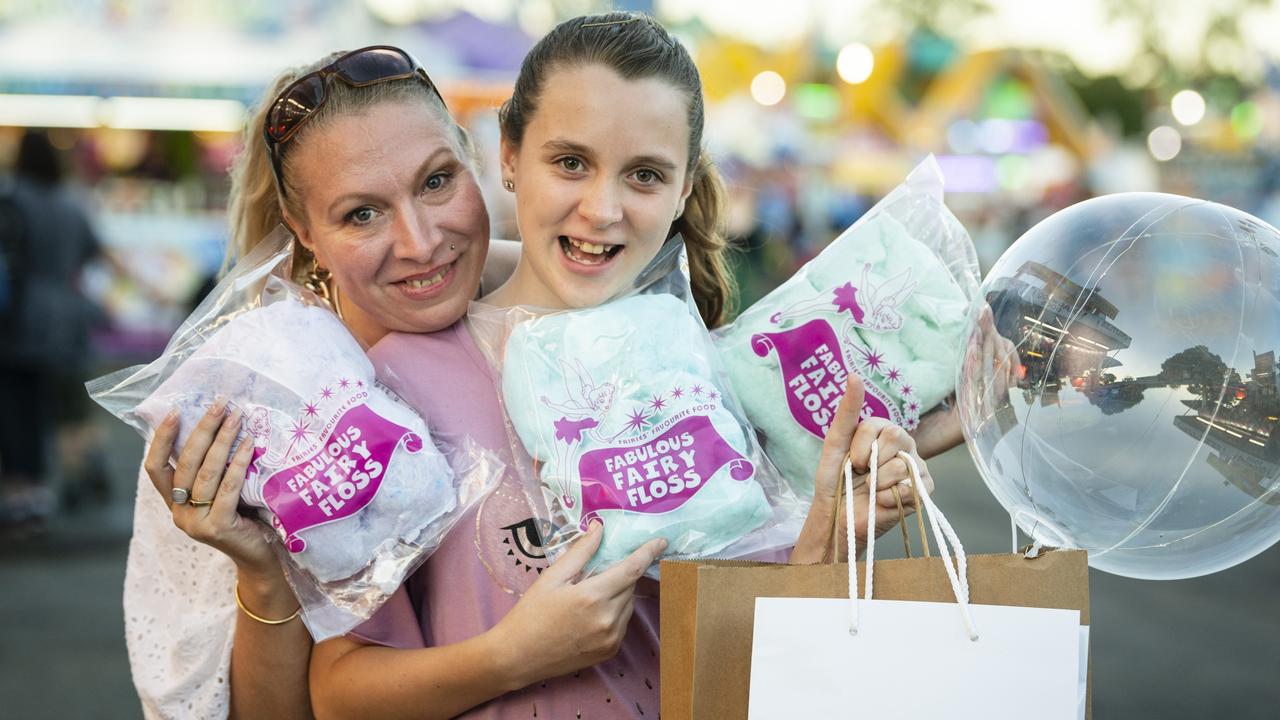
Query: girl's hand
(202, 471)
(995, 359)
(565, 623)
(849, 436)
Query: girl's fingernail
(171, 418)
(594, 525)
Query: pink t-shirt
(495, 553)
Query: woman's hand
(850, 436)
(202, 470)
(564, 623)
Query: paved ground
(1205, 648)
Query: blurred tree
(1109, 96)
(1222, 50)
(943, 18)
(931, 29)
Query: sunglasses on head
(304, 96)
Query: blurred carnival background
(816, 108)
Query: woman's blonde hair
(636, 46)
(254, 209)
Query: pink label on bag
(814, 373)
(659, 474)
(340, 476)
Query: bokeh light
(1164, 143)
(1188, 107)
(855, 63)
(768, 88)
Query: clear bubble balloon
(1119, 390)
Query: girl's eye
(361, 216)
(648, 177)
(572, 164)
(437, 181)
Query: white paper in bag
(913, 660)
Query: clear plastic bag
(887, 300)
(345, 474)
(629, 419)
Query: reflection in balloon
(1129, 404)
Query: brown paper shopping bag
(708, 611)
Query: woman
(45, 243)
(602, 146)
(358, 155)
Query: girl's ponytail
(703, 226)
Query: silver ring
(180, 495)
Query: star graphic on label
(344, 383)
(872, 359)
(894, 375)
(913, 406)
(300, 431)
(906, 389)
(311, 409)
(657, 403)
(326, 393)
(359, 383)
(696, 390)
(637, 419)
(677, 393)
(713, 395)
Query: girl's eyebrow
(560, 145)
(566, 146)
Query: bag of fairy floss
(630, 421)
(343, 472)
(887, 300)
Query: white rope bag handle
(937, 521)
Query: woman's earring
(510, 186)
(318, 282)
(452, 246)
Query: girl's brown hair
(636, 47)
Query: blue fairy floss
(306, 390)
(620, 408)
(875, 302)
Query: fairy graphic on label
(660, 454)
(259, 429)
(585, 401)
(815, 361)
(869, 306)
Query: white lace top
(179, 615)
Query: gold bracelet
(264, 621)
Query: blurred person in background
(46, 241)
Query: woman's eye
(361, 216)
(648, 177)
(572, 164)
(437, 181)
